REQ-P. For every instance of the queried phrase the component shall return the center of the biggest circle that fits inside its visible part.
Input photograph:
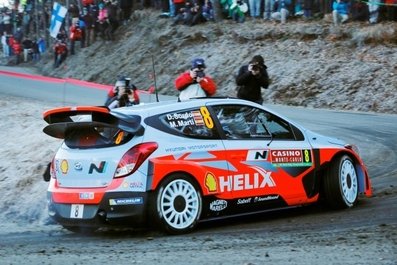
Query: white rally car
(172, 164)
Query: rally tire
(178, 204)
(340, 185)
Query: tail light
(133, 158)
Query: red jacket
(184, 80)
(17, 48)
(75, 33)
(60, 48)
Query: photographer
(195, 82)
(126, 94)
(251, 78)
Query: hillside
(311, 64)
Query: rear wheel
(341, 183)
(178, 205)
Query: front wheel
(178, 205)
(340, 184)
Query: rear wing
(62, 119)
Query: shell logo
(64, 166)
(210, 182)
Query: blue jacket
(342, 7)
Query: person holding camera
(195, 82)
(125, 94)
(251, 78)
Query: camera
(256, 67)
(200, 74)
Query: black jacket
(249, 86)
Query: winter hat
(198, 63)
(257, 59)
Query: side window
(245, 122)
(196, 123)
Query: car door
(267, 159)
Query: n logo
(99, 169)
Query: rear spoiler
(60, 120)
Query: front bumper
(126, 209)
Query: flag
(57, 17)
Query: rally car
(172, 164)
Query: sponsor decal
(239, 182)
(210, 182)
(291, 157)
(100, 169)
(126, 201)
(64, 166)
(244, 201)
(257, 155)
(86, 195)
(198, 119)
(78, 166)
(133, 185)
(267, 198)
(218, 205)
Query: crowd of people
(88, 20)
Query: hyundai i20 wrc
(173, 164)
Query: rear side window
(194, 123)
(96, 137)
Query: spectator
(76, 34)
(359, 11)
(60, 53)
(126, 8)
(126, 94)
(35, 51)
(89, 21)
(103, 21)
(27, 45)
(195, 82)
(4, 43)
(255, 8)
(120, 82)
(41, 45)
(308, 8)
(195, 15)
(17, 50)
(62, 36)
(208, 11)
(238, 10)
(183, 13)
(373, 9)
(18, 35)
(74, 13)
(7, 22)
(391, 10)
(113, 22)
(251, 78)
(268, 9)
(282, 10)
(340, 11)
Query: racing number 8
(206, 117)
(307, 157)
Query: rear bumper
(115, 209)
